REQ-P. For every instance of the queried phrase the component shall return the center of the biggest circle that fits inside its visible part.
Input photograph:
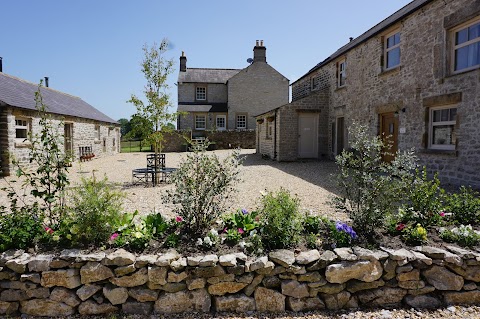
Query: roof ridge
(36, 84)
(215, 69)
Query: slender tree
(156, 69)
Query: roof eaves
(365, 36)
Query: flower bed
(73, 282)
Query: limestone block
(120, 257)
(234, 303)
(13, 295)
(184, 301)
(305, 304)
(69, 278)
(345, 253)
(196, 283)
(208, 261)
(116, 295)
(283, 257)
(268, 300)
(223, 288)
(86, 291)
(137, 279)
(443, 279)
(8, 308)
(229, 260)
(90, 307)
(40, 263)
(45, 308)
(143, 295)
(19, 264)
(157, 275)
(423, 301)
(382, 297)
(253, 285)
(94, 271)
(174, 277)
(462, 298)
(356, 285)
(363, 270)
(308, 257)
(336, 301)
(294, 289)
(125, 270)
(137, 308)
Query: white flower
(213, 232)
(253, 233)
(207, 241)
(241, 244)
(199, 242)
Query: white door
(307, 135)
(221, 122)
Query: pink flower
(241, 231)
(442, 214)
(400, 227)
(113, 237)
(225, 230)
(179, 219)
(49, 230)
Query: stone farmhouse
(86, 130)
(415, 76)
(228, 99)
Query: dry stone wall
(73, 282)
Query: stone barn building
(85, 129)
(414, 76)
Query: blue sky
(93, 48)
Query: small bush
(281, 220)
(94, 213)
(19, 229)
(415, 235)
(202, 184)
(371, 188)
(465, 206)
(462, 235)
(241, 221)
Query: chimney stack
(1, 64)
(351, 39)
(46, 81)
(183, 62)
(259, 52)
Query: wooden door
(389, 134)
(340, 136)
(307, 135)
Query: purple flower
(343, 227)
(244, 211)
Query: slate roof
(394, 18)
(212, 107)
(20, 93)
(205, 75)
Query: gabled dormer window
(201, 93)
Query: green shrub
(424, 201)
(281, 220)
(370, 187)
(415, 235)
(242, 221)
(462, 235)
(20, 229)
(465, 206)
(202, 183)
(94, 212)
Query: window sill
(439, 152)
(453, 74)
(390, 71)
(340, 88)
(97, 142)
(23, 144)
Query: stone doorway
(389, 134)
(308, 135)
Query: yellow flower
(56, 237)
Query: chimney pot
(261, 43)
(351, 39)
(1, 64)
(46, 81)
(256, 43)
(183, 62)
(259, 52)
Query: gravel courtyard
(311, 181)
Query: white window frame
(342, 73)
(237, 120)
(432, 124)
(24, 125)
(197, 117)
(387, 50)
(220, 128)
(456, 47)
(200, 96)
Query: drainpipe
(275, 137)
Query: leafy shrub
(19, 229)
(242, 221)
(465, 206)
(462, 235)
(202, 184)
(313, 224)
(233, 235)
(281, 220)
(94, 212)
(415, 235)
(424, 201)
(371, 188)
(341, 234)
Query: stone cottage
(415, 76)
(228, 99)
(86, 130)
